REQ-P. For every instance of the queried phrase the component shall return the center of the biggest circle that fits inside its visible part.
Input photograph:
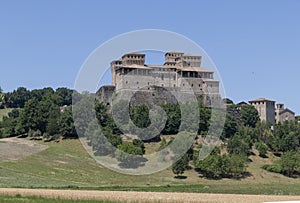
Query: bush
(274, 168)
(262, 149)
(290, 163)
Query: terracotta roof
(261, 99)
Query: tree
(230, 127)
(249, 115)
(228, 101)
(66, 124)
(238, 145)
(1, 97)
(237, 165)
(29, 116)
(17, 98)
(52, 127)
(140, 144)
(64, 96)
(290, 162)
(180, 166)
(128, 154)
(9, 124)
(140, 116)
(84, 113)
(173, 121)
(262, 149)
(211, 166)
(204, 120)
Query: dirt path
(17, 148)
(147, 196)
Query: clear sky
(254, 44)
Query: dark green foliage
(173, 121)
(129, 155)
(84, 113)
(17, 98)
(66, 124)
(275, 168)
(52, 127)
(230, 127)
(239, 145)
(140, 144)
(222, 166)
(249, 115)
(204, 120)
(286, 137)
(64, 96)
(9, 125)
(181, 165)
(262, 149)
(290, 162)
(288, 165)
(140, 116)
(228, 101)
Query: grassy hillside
(4, 112)
(67, 165)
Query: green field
(4, 112)
(67, 165)
(20, 199)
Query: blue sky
(254, 44)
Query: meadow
(66, 165)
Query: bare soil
(18, 148)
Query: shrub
(274, 168)
(262, 149)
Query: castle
(268, 112)
(181, 73)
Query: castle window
(137, 82)
(192, 85)
(126, 82)
(162, 85)
(162, 77)
(199, 85)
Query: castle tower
(265, 108)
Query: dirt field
(146, 196)
(15, 148)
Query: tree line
(48, 114)
(38, 113)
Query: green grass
(20, 199)
(66, 165)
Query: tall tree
(230, 127)
(66, 124)
(52, 127)
(249, 115)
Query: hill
(67, 165)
